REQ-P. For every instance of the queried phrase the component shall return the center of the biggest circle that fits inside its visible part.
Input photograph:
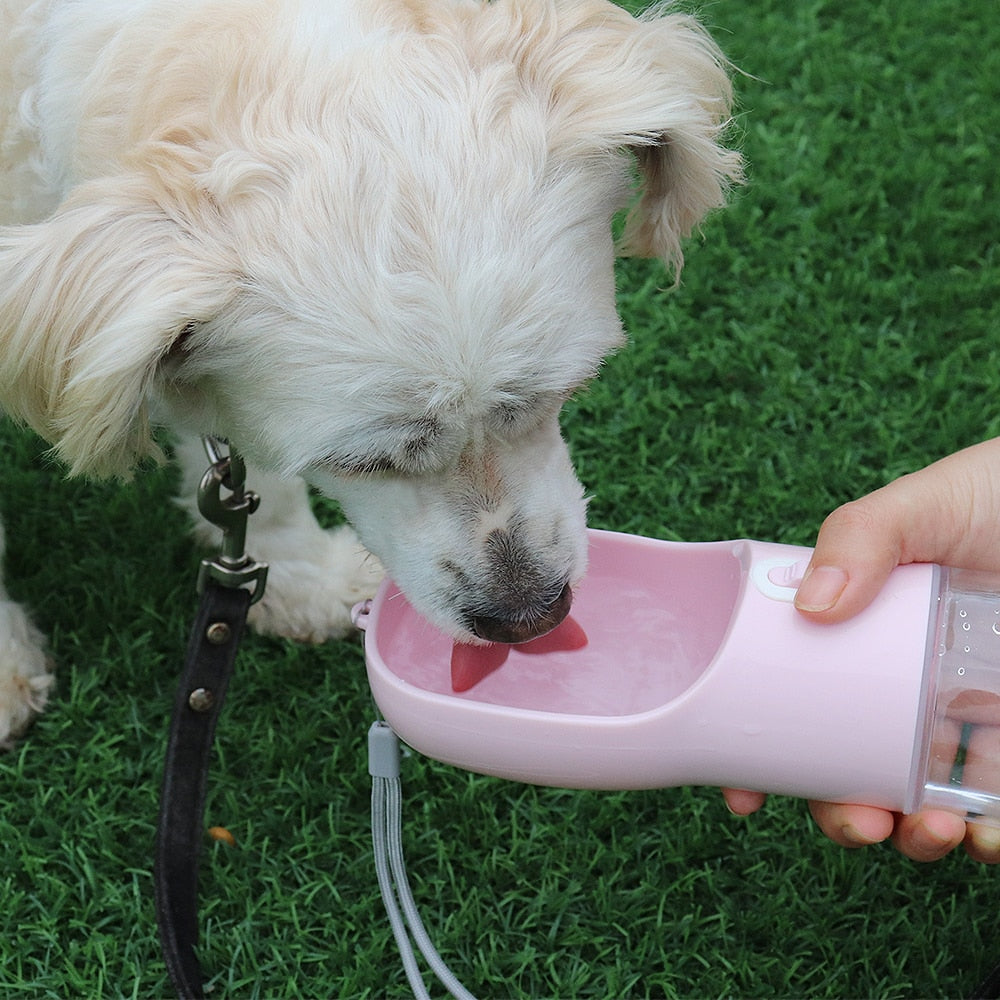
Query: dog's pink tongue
(471, 664)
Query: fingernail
(854, 836)
(821, 588)
(927, 837)
(986, 839)
(929, 844)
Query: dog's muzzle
(522, 629)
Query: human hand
(924, 836)
(948, 513)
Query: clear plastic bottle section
(958, 749)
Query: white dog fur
(369, 242)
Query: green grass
(837, 326)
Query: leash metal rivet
(218, 633)
(201, 700)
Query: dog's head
(382, 263)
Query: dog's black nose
(522, 629)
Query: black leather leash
(208, 666)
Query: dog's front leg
(315, 576)
(25, 669)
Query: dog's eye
(518, 415)
(423, 435)
(375, 465)
(506, 415)
(407, 449)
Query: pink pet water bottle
(696, 669)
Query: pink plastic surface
(698, 670)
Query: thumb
(948, 513)
(858, 546)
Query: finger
(982, 843)
(858, 546)
(928, 835)
(852, 826)
(947, 735)
(947, 513)
(741, 802)
(981, 768)
(980, 771)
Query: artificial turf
(836, 326)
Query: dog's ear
(656, 84)
(91, 301)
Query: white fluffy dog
(367, 241)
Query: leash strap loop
(201, 693)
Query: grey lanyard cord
(387, 812)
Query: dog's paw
(309, 594)
(26, 676)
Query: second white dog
(367, 241)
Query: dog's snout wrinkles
(522, 629)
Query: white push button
(789, 576)
(778, 578)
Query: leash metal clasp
(232, 567)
